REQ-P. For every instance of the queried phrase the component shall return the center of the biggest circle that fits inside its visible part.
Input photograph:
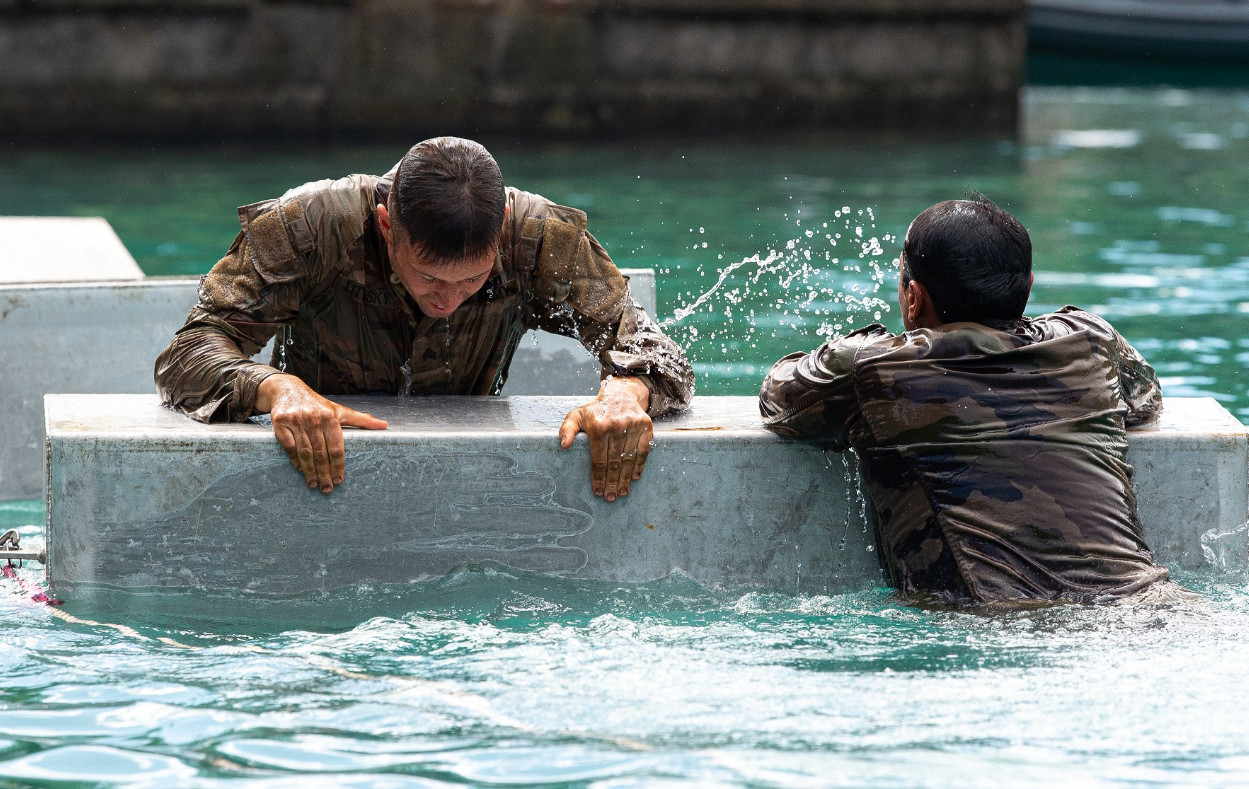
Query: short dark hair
(448, 198)
(974, 259)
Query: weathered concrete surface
(62, 249)
(81, 337)
(1192, 476)
(142, 497)
(104, 337)
(237, 68)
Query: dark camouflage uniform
(995, 455)
(315, 261)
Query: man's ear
(911, 297)
(918, 311)
(383, 218)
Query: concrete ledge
(81, 337)
(97, 337)
(140, 497)
(62, 249)
(1192, 477)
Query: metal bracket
(11, 549)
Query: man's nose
(450, 297)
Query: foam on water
(495, 676)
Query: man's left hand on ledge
(620, 433)
(309, 428)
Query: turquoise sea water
(1135, 201)
(490, 677)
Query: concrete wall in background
(406, 68)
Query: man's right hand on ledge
(309, 428)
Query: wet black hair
(974, 259)
(448, 199)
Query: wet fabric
(995, 455)
(312, 267)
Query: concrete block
(104, 337)
(62, 249)
(141, 497)
(1192, 483)
(84, 337)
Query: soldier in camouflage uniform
(993, 444)
(421, 281)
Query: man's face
(439, 288)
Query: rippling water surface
(494, 677)
(1136, 205)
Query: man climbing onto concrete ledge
(993, 444)
(421, 281)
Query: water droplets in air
(446, 353)
(818, 285)
(283, 340)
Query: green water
(489, 677)
(498, 678)
(1134, 199)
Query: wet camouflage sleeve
(1138, 383)
(207, 370)
(307, 261)
(581, 294)
(995, 456)
(810, 396)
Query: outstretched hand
(309, 428)
(620, 433)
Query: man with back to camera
(993, 444)
(419, 281)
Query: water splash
(817, 286)
(764, 265)
(406, 369)
(850, 480)
(446, 354)
(1226, 551)
(284, 339)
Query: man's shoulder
(1070, 319)
(529, 206)
(327, 217)
(350, 199)
(535, 221)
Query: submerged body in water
(993, 445)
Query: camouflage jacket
(313, 265)
(994, 455)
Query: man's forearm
(644, 352)
(206, 374)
